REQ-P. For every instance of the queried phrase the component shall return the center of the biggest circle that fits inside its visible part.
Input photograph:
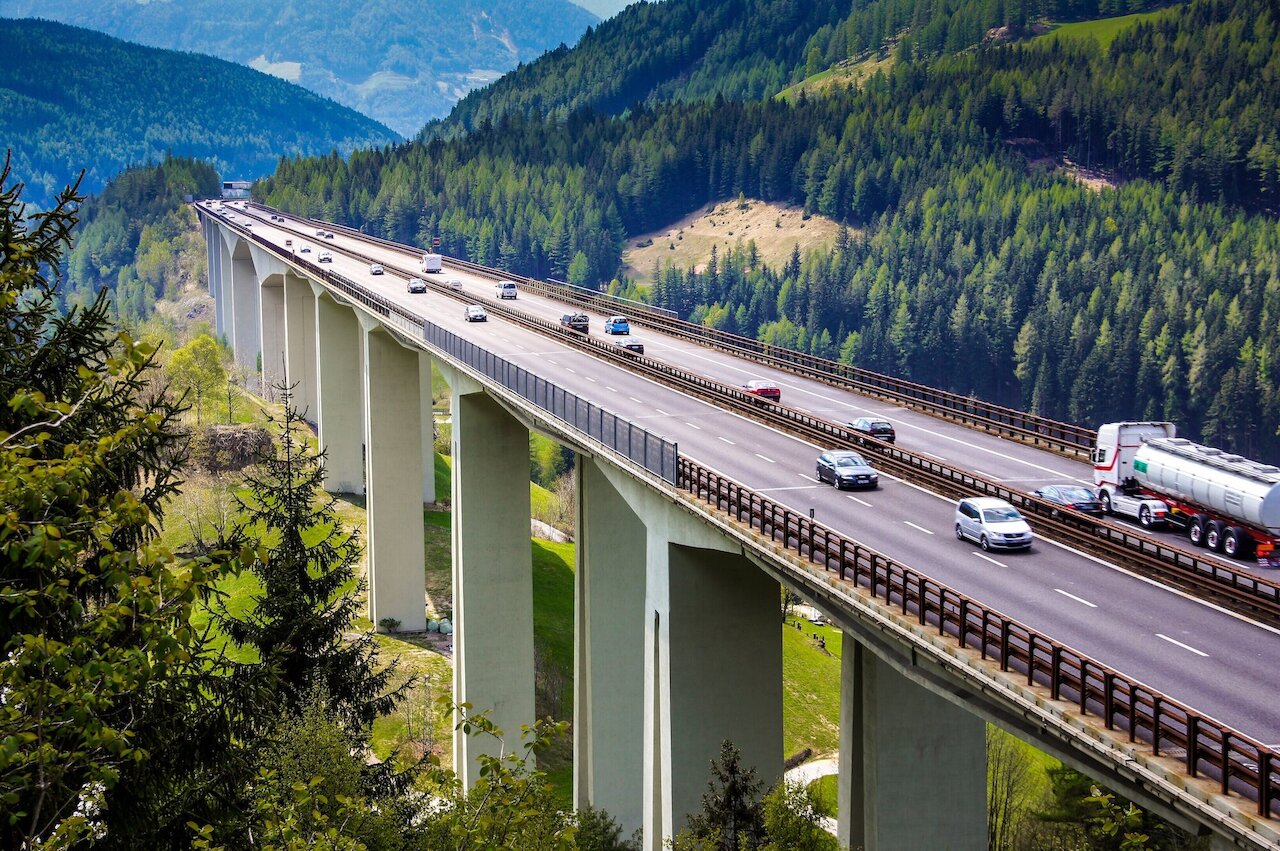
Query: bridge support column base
(912, 764)
(493, 665)
(393, 436)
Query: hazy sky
(604, 8)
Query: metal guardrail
(1208, 747)
(653, 453)
(1068, 439)
(1174, 565)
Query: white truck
(432, 262)
(1225, 502)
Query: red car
(763, 389)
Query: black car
(1072, 496)
(882, 429)
(846, 469)
(576, 321)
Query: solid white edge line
(1183, 646)
(1077, 599)
(918, 528)
(988, 558)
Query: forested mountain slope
(71, 99)
(673, 49)
(973, 271)
(687, 50)
(403, 62)
(137, 238)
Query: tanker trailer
(1225, 502)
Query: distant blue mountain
(402, 62)
(72, 98)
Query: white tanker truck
(1224, 502)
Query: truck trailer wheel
(1235, 542)
(1213, 536)
(1195, 529)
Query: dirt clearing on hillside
(775, 228)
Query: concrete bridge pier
(709, 667)
(243, 315)
(215, 252)
(340, 393)
(913, 765)
(493, 666)
(272, 334)
(301, 346)
(393, 502)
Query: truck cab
(1113, 458)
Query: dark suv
(882, 429)
(575, 321)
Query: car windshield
(1000, 515)
(851, 461)
(1076, 494)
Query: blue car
(617, 325)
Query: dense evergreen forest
(968, 268)
(133, 237)
(72, 99)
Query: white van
(506, 289)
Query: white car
(992, 524)
(474, 313)
(305, 249)
(454, 284)
(375, 269)
(417, 285)
(324, 257)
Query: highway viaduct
(676, 597)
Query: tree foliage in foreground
(115, 719)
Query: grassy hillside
(1103, 31)
(72, 99)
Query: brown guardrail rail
(1240, 763)
(1165, 562)
(1067, 439)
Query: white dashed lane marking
(1077, 599)
(859, 501)
(917, 528)
(727, 440)
(762, 458)
(1178, 643)
(990, 559)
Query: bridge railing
(652, 452)
(1207, 747)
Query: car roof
(987, 502)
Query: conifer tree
(311, 591)
(117, 722)
(732, 810)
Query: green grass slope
(1102, 31)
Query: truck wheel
(1106, 503)
(1213, 536)
(1144, 517)
(1235, 542)
(1195, 530)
